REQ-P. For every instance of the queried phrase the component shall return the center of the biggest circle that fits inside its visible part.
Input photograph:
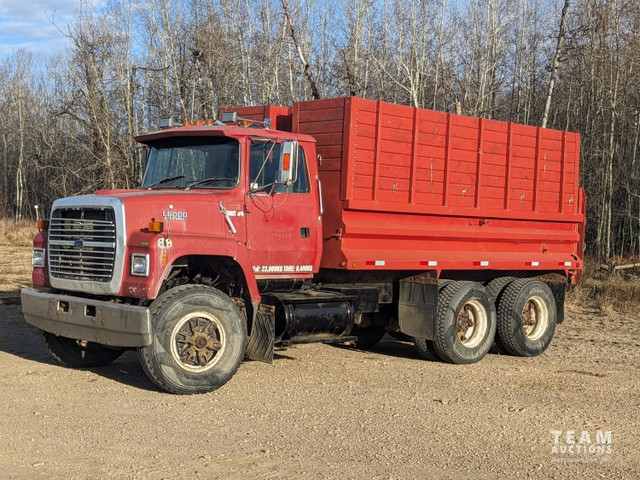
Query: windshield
(193, 162)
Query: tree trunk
(556, 63)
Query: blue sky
(26, 24)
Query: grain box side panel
(491, 179)
(324, 120)
(360, 168)
(429, 157)
(462, 171)
(394, 154)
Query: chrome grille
(82, 244)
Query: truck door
(283, 225)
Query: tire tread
(144, 354)
(505, 312)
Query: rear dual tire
(424, 347)
(465, 324)
(527, 316)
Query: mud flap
(260, 345)
(418, 305)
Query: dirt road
(331, 412)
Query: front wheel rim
(198, 341)
(535, 318)
(472, 324)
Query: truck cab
(224, 211)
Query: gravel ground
(323, 411)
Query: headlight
(140, 265)
(38, 257)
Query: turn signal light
(42, 224)
(286, 162)
(156, 227)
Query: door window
(263, 169)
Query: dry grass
(16, 239)
(607, 291)
(17, 234)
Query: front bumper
(107, 323)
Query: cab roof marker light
(229, 117)
(232, 117)
(167, 123)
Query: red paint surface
(409, 186)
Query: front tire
(78, 353)
(199, 340)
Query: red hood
(194, 212)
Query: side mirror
(288, 165)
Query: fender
(164, 251)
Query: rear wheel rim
(472, 324)
(534, 318)
(198, 342)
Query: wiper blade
(165, 180)
(204, 181)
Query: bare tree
(315, 92)
(556, 62)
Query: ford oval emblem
(79, 243)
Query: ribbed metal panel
(82, 244)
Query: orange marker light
(209, 121)
(156, 227)
(286, 161)
(42, 224)
(199, 122)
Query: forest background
(67, 120)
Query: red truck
(332, 221)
